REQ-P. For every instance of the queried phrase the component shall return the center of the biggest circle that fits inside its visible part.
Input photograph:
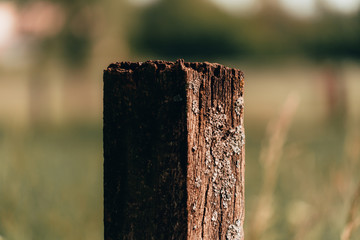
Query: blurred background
(302, 69)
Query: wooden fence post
(174, 154)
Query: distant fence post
(174, 151)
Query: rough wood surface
(174, 156)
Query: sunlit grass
(51, 183)
(51, 177)
(316, 180)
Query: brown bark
(174, 151)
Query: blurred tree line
(74, 40)
(184, 28)
(197, 29)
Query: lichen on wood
(216, 127)
(174, 151)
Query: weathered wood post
(174, 151)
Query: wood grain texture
(174, 152)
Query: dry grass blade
(270, 157)
(353, 220)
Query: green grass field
(51, 183)
(51, 177)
